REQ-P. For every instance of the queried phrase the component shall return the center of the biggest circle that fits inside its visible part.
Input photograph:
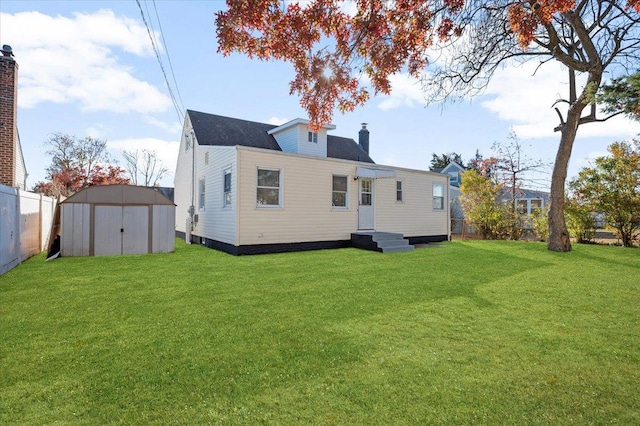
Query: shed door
(121, 230)
(107, 238)
(365, 204)
(135, 222)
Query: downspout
(191, 139)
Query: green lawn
(468, 333)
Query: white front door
(365, 204)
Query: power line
(155, 49)
(166, 46)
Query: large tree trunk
(558, 235)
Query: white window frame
(227, 199)
(202, 193)
(400, 191)
(280, 188)
(346, 193)
(312, 137)
(434, 196)
(524, 209)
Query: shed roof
(211, 129)
(119, 195)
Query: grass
(470, 333)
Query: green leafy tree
(540, 223)
(479, 201)
(580, 217)
(622, 95)
(612, 187)
(441, 161)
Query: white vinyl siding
(307, 215)
(182, 182)
(297, 140)
(415, 216)
(216, 222)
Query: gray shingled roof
(213, 129)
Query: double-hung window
(339, 191)
(201, 194)
(227, 188)
(268, 192)
(438, 196)
(399, 192)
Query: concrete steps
(385, 242)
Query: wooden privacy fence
(25, 222)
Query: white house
(245, 187)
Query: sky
(88, 68)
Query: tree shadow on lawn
(235, 328)
(609, 255)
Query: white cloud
(405, 91)
(524, 96)
(172, 127)
(167, 152)
(65, 60)
(276, 121)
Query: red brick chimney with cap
(8, 114)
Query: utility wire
(166, 46)
(155, 49)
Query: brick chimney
(363, 138)
(8, 113)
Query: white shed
(117, 219)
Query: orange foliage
(332, 50)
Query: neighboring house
(245, 187)
(12, 167)
(528, 200)
(455, 171)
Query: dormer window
(313, 137)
